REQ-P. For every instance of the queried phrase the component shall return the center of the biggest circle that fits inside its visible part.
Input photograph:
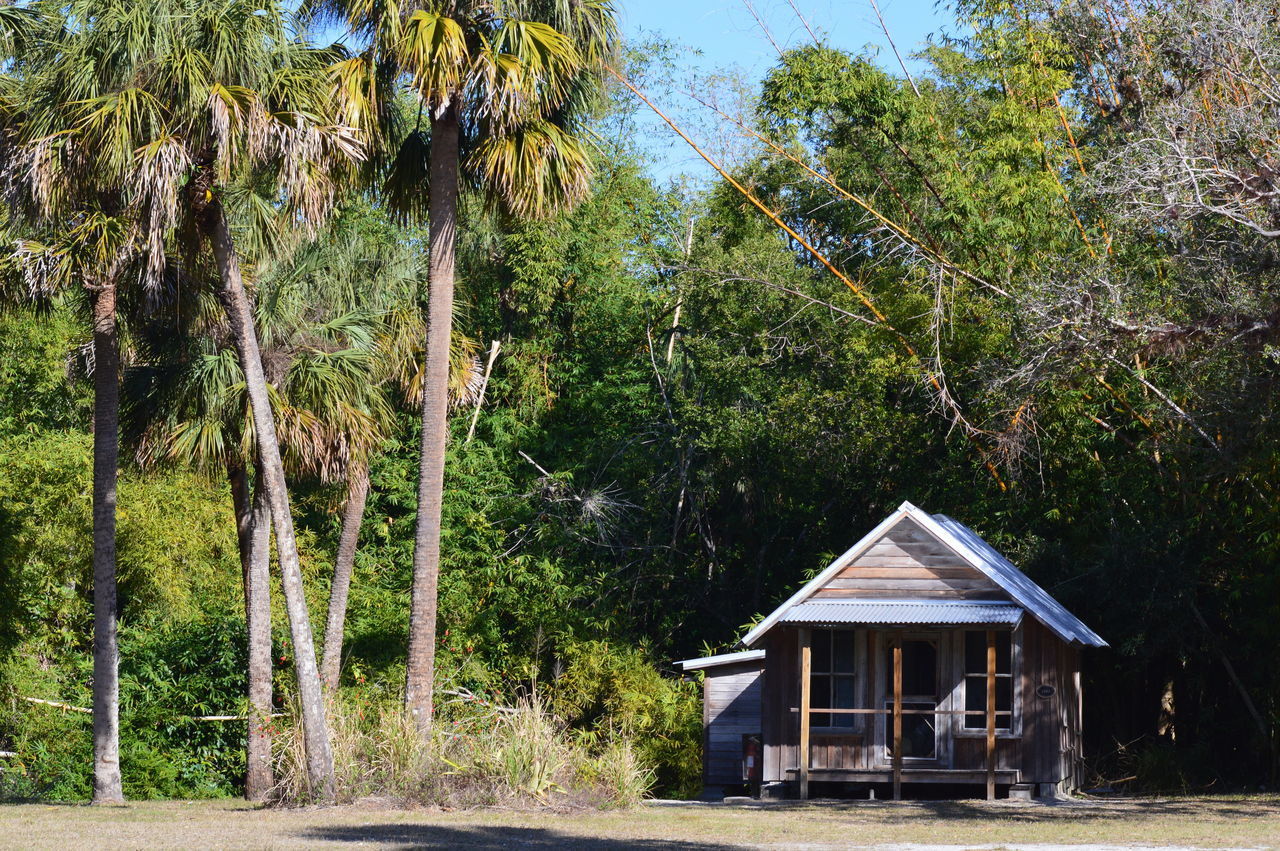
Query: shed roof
(967, 545)
(722, 659)
(904, 612)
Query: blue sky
(722, 34)
(726, 32)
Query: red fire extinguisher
(751, 758)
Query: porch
(925, 703)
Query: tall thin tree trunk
(443, 213)
(253, 529)
(352, 518)
(107, 787)
(310, 695)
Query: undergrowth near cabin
(479, 754)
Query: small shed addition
(921, 655)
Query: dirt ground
(1210, 822)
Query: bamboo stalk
(764, 29)
(58, 705)
(1124, 403)
(812, 34)
(484, 385)
(81, 709)
(885, 28)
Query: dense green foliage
(690, 415)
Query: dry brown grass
(1220, 822)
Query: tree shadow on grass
(1072, 810)
(495, 837)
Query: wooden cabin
(920, 656)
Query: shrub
(478, 754)
(616, 694)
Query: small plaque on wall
(1045, 691)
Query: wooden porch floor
(909, 775)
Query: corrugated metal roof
(904, 611)
(722, 659)
(1019, 585)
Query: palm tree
(57, 189)
(185, 403)
(190, 406)
(92, 254)
(505, 87)
(162, 105)
(363, 278)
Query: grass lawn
(1210, 822)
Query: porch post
(991, 715)
(897, 717)
(805, 667)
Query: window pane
(1004, 694)
(843, 697)
(820, 691)
(820, 698)
(821, 653)
(845, 663)
(919, 668)
(975, 651)
(1003, 645)
(975, 700)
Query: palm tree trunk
(443, 213)
(253, 529)
(352, 518)
(236, 303)
(107, 787)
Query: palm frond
(534, 170)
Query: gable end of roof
(970, 547)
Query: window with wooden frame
(833, 678)
(975, 680)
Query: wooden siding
(1051, 731)
(970, 753)
(781, 682)
(730, 710)
(909, 562)
(845, 752)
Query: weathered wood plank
(805, 663)
(780, 698)
(897, 717)
(991, 715)
(889, 546)
(910, 585)
(896, 594)
(909, 533)
(859, 571)
(909, 561)
(918, 775)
